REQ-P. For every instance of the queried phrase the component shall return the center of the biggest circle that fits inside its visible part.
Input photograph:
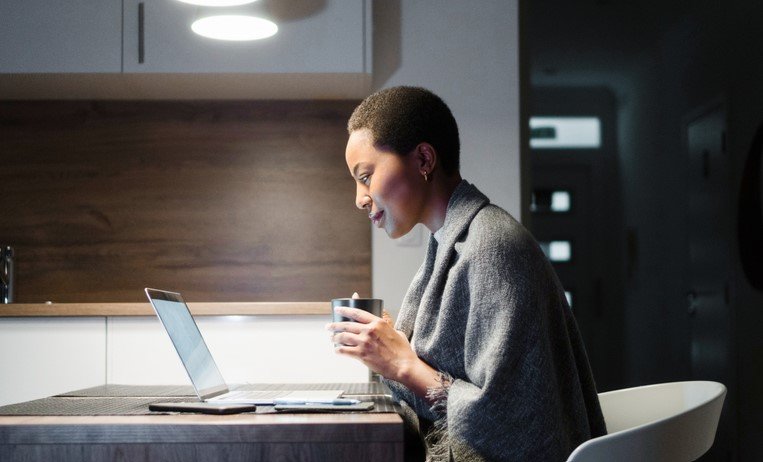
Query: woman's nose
(361, 199)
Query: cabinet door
(329, 39)
(41, 357)
(140, 352)
(66, 36)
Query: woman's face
(389, 185)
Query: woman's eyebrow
(356, 168)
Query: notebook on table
(205, 376)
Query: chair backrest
(672, 422)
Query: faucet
(6, 274)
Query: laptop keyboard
(243, 394)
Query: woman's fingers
(349, 350)
(344, 332)
(355, 314)
(353, 327)
(345, 339)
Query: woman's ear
(426, 157)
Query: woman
(485, 351)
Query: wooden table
(363, 437)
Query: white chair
(670, 422)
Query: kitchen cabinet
(43, 356)
(105, 49)
(247, 349)
(331, 38)
(39, 36)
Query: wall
(745, 116)
(469, 55)
(708, 55)
(223, 201)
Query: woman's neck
(438, 204)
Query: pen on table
(308, 403)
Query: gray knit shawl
(487, 310)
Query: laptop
(205, 376)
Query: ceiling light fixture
(234, 27)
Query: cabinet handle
(141, 34)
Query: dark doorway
(576, 214)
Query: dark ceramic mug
(371, 305)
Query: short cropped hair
(399, 118)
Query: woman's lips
(376, 217)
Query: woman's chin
(397, 233)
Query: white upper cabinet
(314, 36)
(131, 49)
(43, 36)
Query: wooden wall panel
(224, 201)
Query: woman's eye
(365, 179)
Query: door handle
(691, 303)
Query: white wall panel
(467, 53)
(248, 349)
(41, 357)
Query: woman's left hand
(375, 342)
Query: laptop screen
(190, 346)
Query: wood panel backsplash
(223, 201)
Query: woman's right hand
(386, 351)
(373, 341)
